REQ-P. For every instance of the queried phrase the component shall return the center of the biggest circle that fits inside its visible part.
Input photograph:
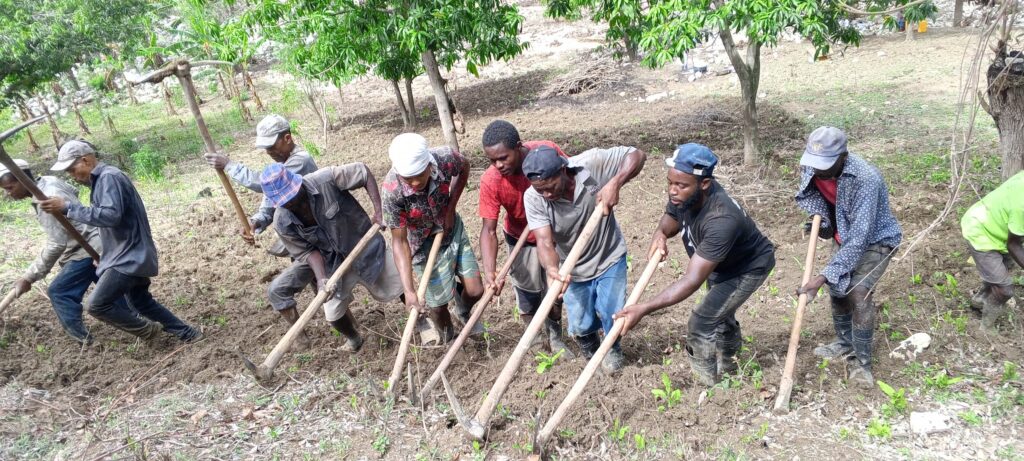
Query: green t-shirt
(987, 224)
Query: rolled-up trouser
(713, 326)
(284, 287)
(453, 261)
(993, 267)
(113, 286)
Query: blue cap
(543, 163)
(824, 146)
(693, 158)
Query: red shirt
(497, 191)
(828, 188)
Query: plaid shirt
(862, 216)
(421, 213)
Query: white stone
(656, 97)
(928, 422)
(909, 348)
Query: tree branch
(852, 10)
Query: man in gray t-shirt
(563, 196)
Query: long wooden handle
(39, 195)
(483, 415)
(8, 300)
(414, 314)
(185, 78)
(786, 385)
(595, 361)
(278, 352)
(474, 317)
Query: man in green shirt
(994, 228)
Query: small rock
(881, 54)
(656, 97)
(622, 94)
(909, 348)
(928, 422)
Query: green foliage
(879, 429)
(897, 400)
(668, 395)
(940, 381)
(1010, 372)
(618, 431)
(545, 361)
(147, 163)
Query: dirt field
(121, 399)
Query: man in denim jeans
(564, 193)
(852, 199)
(129, 255)
(77, 271)
(726, 250)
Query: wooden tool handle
(483, 415)
(414, 313)
(8, 300)
(474, 317)
(786, 385)
(282, 346)
(595, 361)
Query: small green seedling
(897, 400)
(1010, 372)
(618, 432)
(668, 395)
(879, 429)
(546, 361)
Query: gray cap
(268, 129)
(543, 163)
(17, 162)
(824, 146)
(71, 151)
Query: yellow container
(922, 27)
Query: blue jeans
(591, 304)
(113, 285)
(66, 293)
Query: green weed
(879, 429)
(546, 361)
(668, 395)
(897, 404)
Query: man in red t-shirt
(502, 186)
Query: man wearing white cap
(129, 256)
(77, 272)
(420, 195)
(852, 199)
(273, 134)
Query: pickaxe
(786, 385)
(414, 314)
(476, 428)
(265, 371)
(595, 361)
(474, 317)
(15, 170)
(183, 70)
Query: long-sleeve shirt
(340, 222)
(117, 209)
(862, 214)
(60, 248)
(298, 162)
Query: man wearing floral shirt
(852, 199)
(419, 196)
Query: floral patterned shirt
(421, 213)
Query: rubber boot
(859, 364)
(978, 300)
(614, 360)
(703, 364)
(991, 312)
(589, 344)
(553, 328)
(291, 315)
(728, 355)
(346, 325)
(843, 345)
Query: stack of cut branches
(599, 73)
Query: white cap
(17, 162)
(71, 151)
(268, 129)
(409, 154)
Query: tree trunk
(1006, 106)
(168, 98)
(26, 115)
(252, 88)
(313, 97)
(74, 80)
(223, 86)
(107, 121)
(958, 13)
(412, 103)
(444, 112)
(910, 30)
(406, 121)
(631, 50)
(78, 115)
(131, 91)
(749, 74)
(54, 130)
(233, 88)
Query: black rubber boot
(554, 331)
(346, 325)
(589, 344)
(843, 345)
(728, 355)
(703, 364)
(860, 367)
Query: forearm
(45, 261)
(458, 186)
(547, 255)
(488, 247)
(403, 261)
(245, 177)
(94, 216)
(674, 294)
(316, 262)
(373, 191)
(631, 167)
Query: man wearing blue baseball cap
(320, 223)
(852, 199)
(726, 250)
(564, 193)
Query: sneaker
(834, 350)
(613, 361)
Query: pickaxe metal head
(474, 430)
(261, 372)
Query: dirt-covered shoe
(833, 351)
(978, 301)
(589, 344)
(556, 344)
(990, 314)
(194, 335)
(860, 375)
(352, 345)
(613, 361)
(478, 327)
(150, 331)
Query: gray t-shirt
(595, 168)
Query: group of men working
(319, 222)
